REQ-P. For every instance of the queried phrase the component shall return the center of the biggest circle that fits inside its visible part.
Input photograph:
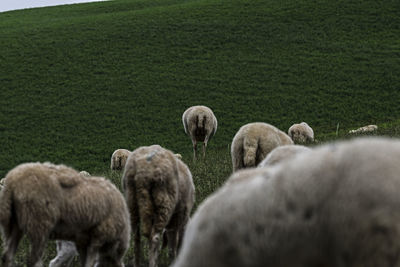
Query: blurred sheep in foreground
(159, 190)
(47, 201)
(281, 153)
(336, 205)
(253, 142)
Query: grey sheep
(159, 190)
(336, 205)
(253, 142)
(200, 124)
(45, 201)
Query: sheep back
(281, 153)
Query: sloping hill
(79, 81)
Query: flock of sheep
(284, 205)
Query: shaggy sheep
(281, 153)
(200, 124)
(301, 133)
(46, 201)
(253, 142)
(337, 205)
(159, 191)
(118, 159)
(365, 129)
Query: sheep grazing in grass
(336, 205)
(281, 153)
(200, 124)
(45, 201)
(365, 129)
(301, 133)
(253, 142)
(118, 159)
(159, 191)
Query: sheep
(365, 129)
(45, 201)
(200, 124)
(281, 153)
(178, 156)
(159, 191)
(253, 142)
(84, 173)
(336, 205)
(118, 159)
(301, 133)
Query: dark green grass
(79, 81)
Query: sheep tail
(250, 148)
(201, 121)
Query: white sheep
(200, 124)
(301, 133)
(253, 142)
(159, 191)
(365, 129)
(45, 201)
(336, 205)
(281, 153)
(118, 159)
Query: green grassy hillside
(79, 81)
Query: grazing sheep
(337, 205)
(159, 191)
(365, 129)
(253, 142)
(281, 153)
(46, 201)
(200, 124)
(301, 133)
(118, 159)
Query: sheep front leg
(91, 256)
(10, 246)
(154, 249)
(66, 251)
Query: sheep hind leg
(38, 245)
(154, 244)
(194, 149)
(11, 244)
(172, 236)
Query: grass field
(79, 81)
